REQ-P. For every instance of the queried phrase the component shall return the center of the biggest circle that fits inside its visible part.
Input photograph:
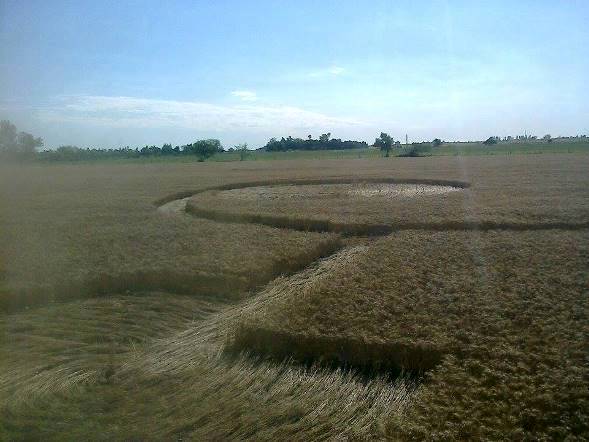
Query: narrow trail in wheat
(208, 338)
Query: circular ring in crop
(357, 187)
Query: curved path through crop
(179, 203)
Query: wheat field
(354, 299)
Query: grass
(170, 326)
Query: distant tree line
(22, 145)
(16, 145)
(75, 153)
(202, 149)
(526, 138)
(325, 142)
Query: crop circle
(370, 206)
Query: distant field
(447, 149)
(245, 311)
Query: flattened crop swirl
(347, 229)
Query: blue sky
(112, 73)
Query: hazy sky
(109, 74)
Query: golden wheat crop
(72, 232)
(499, 314)
(465, 319)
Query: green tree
(243, 151)
(7, 136)
(324, 138)
(437, 142)
(28, 144)
(385, 143)
(204, 149)
(16, 144)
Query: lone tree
(547, 138)
(7, 136)
(28, 144)
(204, 149)
(21, 144)
(385, 143)
(437, 142)
(242, 149)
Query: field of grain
(398, 299)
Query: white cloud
(328, 72)
(245, 95)
(131, 112)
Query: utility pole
(406, 140)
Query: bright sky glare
(111, 73)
